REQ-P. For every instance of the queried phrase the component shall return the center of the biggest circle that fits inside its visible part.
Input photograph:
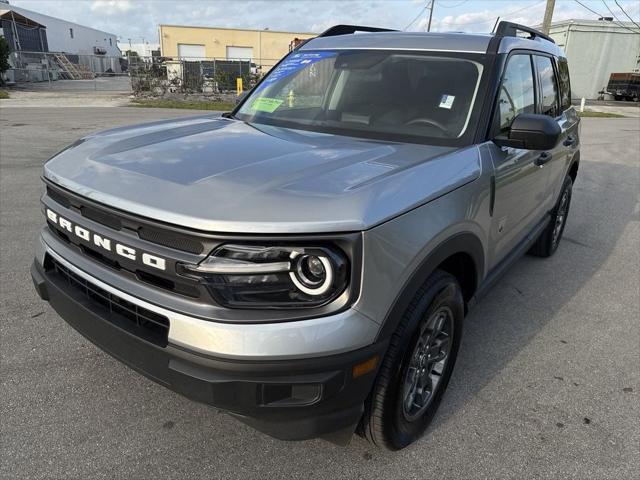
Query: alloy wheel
(561, 216)
(427, 364)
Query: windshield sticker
(292, 64)
(447, 101)
(264, 104)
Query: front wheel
(417, 366)
(549, 239)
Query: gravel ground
(546, 385)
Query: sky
(139, 19)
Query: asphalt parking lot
(547, 383)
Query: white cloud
(110, 7)
(136, 19)
(484, 20)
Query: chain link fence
(60, 71)
(157, 76)
(153, 76)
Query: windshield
(425, 96)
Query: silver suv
(306, 261)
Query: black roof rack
(348, 29)
(510, 29)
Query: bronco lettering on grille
(106, 243)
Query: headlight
(264, 276)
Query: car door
(520, 183)
(555, 100)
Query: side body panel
(570, 124)
(520, 198)
(395, 250)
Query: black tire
(548, 241)
(385, 422)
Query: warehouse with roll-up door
(595, 49)
(260, 47)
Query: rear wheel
(549, 239)
(417, 367)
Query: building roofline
(18, 9)
(236, 29)
(18, 17)
(593, 23)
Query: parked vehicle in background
(624, 86)
(306, 261)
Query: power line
(503, 16)
(453, 6)
(602, 16)
(626, 14)
(610, 11)
(417, 16)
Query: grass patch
(600, 114)
(4, 94)
(222, 106)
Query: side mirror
(531, 132)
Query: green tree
(4, 57)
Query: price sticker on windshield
(446, 101)
(265, 104)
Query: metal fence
(158, 75)
(154, 76)
(67, 72)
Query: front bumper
(292, 399)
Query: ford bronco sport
(306, 261)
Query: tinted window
(565, 86)
(368, 92)
(548, 86)
(516, 92)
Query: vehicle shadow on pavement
(530, 298)
(535, 290)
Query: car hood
(223, 175)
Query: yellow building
(262, 47)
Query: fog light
(290, 395)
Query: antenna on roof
(495, 25)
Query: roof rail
(348, 29)
(510, 29)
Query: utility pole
(430, 15)
(548, 15)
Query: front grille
(160, 236)
(167, 239)
(105, 219)
(180, 287)
(137, 320)
(58, 197)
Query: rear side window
(517, 90)
(565, 85)
(549, 101)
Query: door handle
(569, 141)
(543, 158)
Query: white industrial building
(595, 49)
(70, 37)
(47, 48)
